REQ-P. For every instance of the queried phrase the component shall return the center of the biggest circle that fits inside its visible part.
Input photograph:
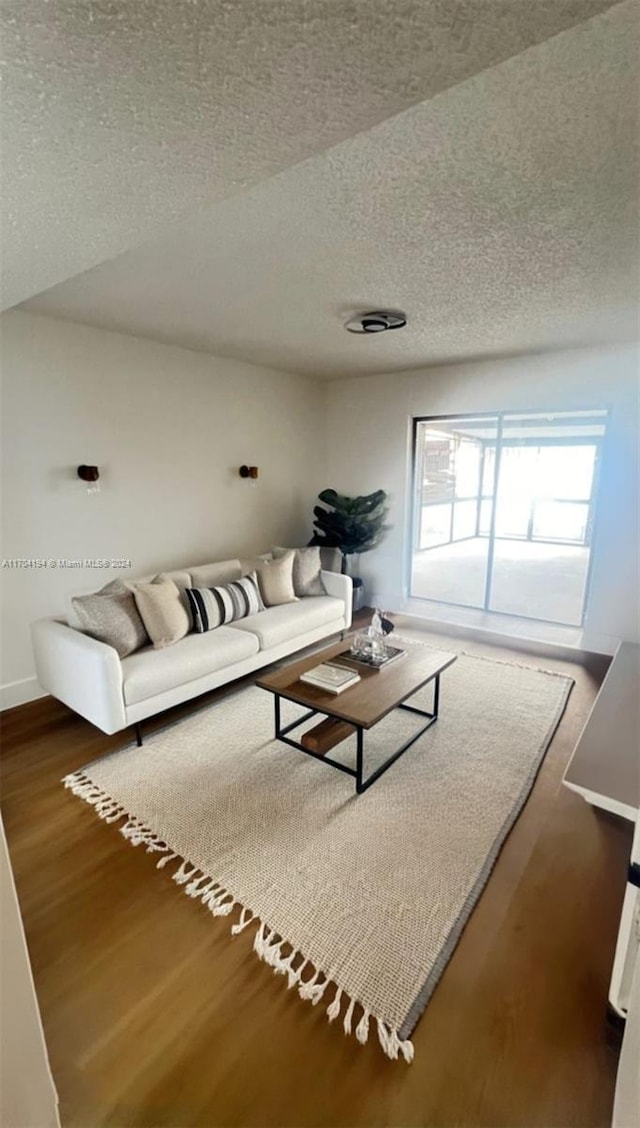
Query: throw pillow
(111, 616)
(115, 587)
(307, 566)
(162, 612)
(182, 580)
(276, 580)
(212, 607)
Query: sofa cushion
(251, 564)
(331, 559)
(150, 672)
(111, 616)
(276, 580)
(210, 575)
(180, 578)
(289, 620)
(114, 587)
(306, 570)
(162, 611)
(212, 607)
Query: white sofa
(114, 692)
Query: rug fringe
(267, 944)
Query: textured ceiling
(123, 116)
(501, 215)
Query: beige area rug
(358, 901)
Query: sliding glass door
(503, 511)
(451, 555)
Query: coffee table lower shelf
(358, 772)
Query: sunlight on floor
(540, 581)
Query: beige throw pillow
(275, 578)
(182, 580)
(163, 612)
(306, 570)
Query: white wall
(168, 429)
(368, 447)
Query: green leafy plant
(352, 524)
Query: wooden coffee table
(358, 708)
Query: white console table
(605, 770)
(605, 765)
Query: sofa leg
(139, 734)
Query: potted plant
(353, 525)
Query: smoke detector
(378, 321)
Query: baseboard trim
(529, 646)
(506, 628)
(20, 692)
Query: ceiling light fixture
(377, 321)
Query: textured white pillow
(110, 615)
(275, 578)
(307, 566)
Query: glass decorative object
(370, 643)
(361, 645)
(376, 634)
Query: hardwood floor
(154, 1016)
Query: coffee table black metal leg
(281, 733)
(360, 786)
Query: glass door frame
(499, 416)
(476, 497)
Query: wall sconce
(249, 472)
(90, 475)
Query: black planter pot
(358, 593)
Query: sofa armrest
(342, 588)
(80, 671)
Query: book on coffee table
(375, 662)
(332, 678)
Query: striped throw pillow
(212, 607)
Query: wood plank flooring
(154, 1016)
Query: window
(503, 511)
